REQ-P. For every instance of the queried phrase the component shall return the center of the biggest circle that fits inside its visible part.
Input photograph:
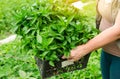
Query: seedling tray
(60, 67)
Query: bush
(6, 17)
(52, 28)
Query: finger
(69, 58)
(72, 60)
(64, 57)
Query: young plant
(52, 28)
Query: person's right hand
(76, 53)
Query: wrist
(87, 49)
(83, 49)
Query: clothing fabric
(108, 20)
(110, 66)
(114, 10)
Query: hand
(77, 53)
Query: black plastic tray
(60, 67)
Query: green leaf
(45, 53)
(64, 43)
(51, 63)
(59, 37)
(25, 29)
(62, 28)
(34, 20)
(39, 37)
(49, 41)
(70, 19)
(68, 39)
(53, 47)
(70, 29)
(22, 73)
(66, 53)
(29, 30)
(84, 40)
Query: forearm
(105, 37)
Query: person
(108, 22)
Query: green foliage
(6, 17)
(52, 28)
